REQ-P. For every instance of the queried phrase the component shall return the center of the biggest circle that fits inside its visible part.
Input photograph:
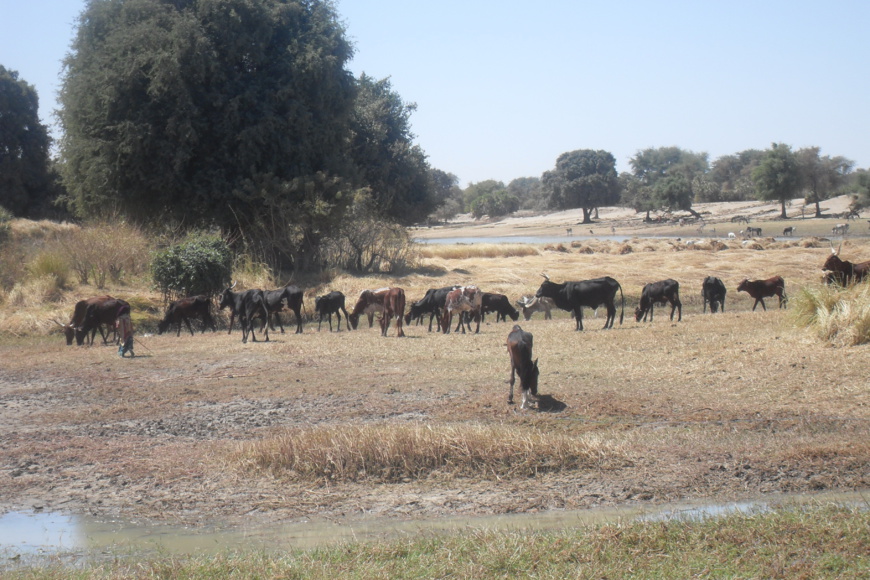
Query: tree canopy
(584, 179)
(821, 176)
(176, 107)
(777, 176)
(25, 182)
(666, 178)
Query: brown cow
(394, 307)
(465, 299)
(761, 289)
(844, 271)
(368, 303)
(519, 346)
(183, 310)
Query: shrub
(50, 264)
(200, 265)
(102, 252)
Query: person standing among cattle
(124, 326)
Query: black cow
(247, 305)
(761, 289)
(573, 296)
(329, 304)
(72, 330)
(185, 309)
(519, 346)
(275, 301)
(713, 291)
(432, 303)
(98, 315)
(500, 304)
(662, 292)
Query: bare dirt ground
(737, 405)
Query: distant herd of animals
(467, 303)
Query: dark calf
(519, 346)
(663, 292)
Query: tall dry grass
(398, 452)
(838, 316)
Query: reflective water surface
(30, 536)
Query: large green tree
(382, 147)
(666, 178)
(584, 179)
(777, 176)
(821, 176)
(733, 175)
(25, 183)
(208, 111)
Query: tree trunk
(783, 215)
(586, 215)
(818, 209)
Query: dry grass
(466, 251)
(839, 316)
(393, 453)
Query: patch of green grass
(792, 542)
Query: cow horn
(58, 323)
(234, 284)
(839, 247)
(547, 278)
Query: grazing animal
(732, 236)
(498, 303)
(432, 303)
(466, 299)
(98, 314)
(519, 347)
(393, 307)
(72, 330)
(753, 232)
(739, 218)
(368, 303)
(761, 289)
(329, 304)
(789, 231)
(275, 301)
(247, 305)
(713, 291)
(185, 309)
(845, 271)
(662, 292)
(569, 231)
(840, 229)
(529, 306)
(573, 296)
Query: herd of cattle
(467, 303)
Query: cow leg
(346, 319)
(189, 327)
(401, 330)
(446, 320)
(298, 321)
(578, 318)
(477, 318)
(277, 316)
(512, 381)
(371, 316)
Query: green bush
(200, 265)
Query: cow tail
(622, 309)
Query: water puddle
(42, 535)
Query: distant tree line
(668, 179)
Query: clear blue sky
(502, 88)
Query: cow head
(354, 320)
(638, 314)
(548, 289)
(227, 297)
(163, 325)
(743, 286)
(69, 332)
